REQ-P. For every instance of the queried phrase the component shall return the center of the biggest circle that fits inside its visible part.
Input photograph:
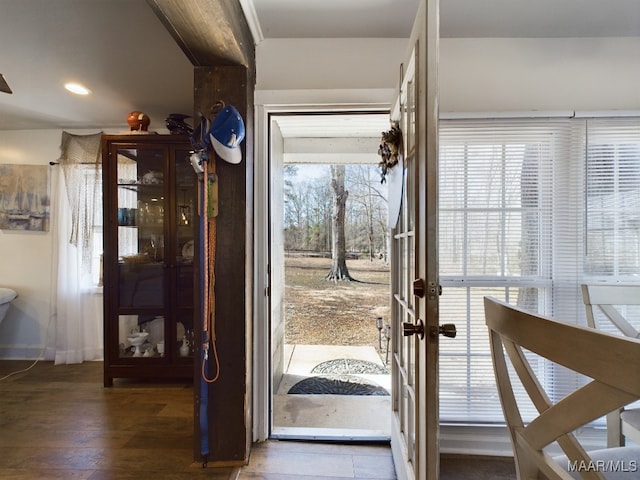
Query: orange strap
(208, 321)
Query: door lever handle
(448, 330)
(413, 329)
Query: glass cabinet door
(142, 267)
(184, 195)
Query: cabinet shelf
(138, 185)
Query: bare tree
(339, 270)
(293, 214)
(365, 192)
(307, 212)
(309, 205)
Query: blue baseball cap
(226, 134)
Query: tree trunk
(339, 269)
(369, 204)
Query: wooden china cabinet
(149, 231)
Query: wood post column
(229, 398)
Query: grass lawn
(324, 312)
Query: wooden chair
(610, 361)
(620, 423)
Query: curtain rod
(607, 113)
(513, 114)
(539, 114)
(80, 163)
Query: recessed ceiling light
(77, 88)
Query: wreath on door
(390, 150)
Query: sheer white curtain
(76, 331)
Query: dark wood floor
(59, 422)
(470, 467)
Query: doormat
(350, 366)
(336, 385)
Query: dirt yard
(323, 312)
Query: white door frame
(267, 103)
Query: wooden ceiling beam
(209, 32)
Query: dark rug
(336, 385)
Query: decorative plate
(187, 250)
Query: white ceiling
(125, 56)
(117, 48)
(539, 18)
(336, 18)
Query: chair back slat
(611, 299)
(599, 355)
(606, 298)
(610, 362)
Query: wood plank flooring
(60, 423)
(292, 460)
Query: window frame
(558, 279)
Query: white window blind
(613, 199)
(510, 215)
(612, 218)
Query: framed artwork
(24, 197)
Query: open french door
(415, 286)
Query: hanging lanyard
(209, 246)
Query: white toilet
(6, 296)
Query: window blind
(612, 216)
(613, 199)
(510, 209)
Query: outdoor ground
(324, 312)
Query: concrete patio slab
(330, 416)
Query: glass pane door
(184, 204)
(403, 301)
(141, 203)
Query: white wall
(25, 257)
(499, 74)
(329, 63)
(476, 74)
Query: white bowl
(137, 339)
